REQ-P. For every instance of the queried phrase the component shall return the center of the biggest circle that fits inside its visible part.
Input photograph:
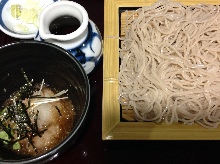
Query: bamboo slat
(112, 127)
(125, 17)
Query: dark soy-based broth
(47, 120)
(64, 25)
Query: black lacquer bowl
(41, 60)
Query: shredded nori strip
(17, 114)
(58, 110)
(14, 117)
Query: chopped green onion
(4, 136)
(16, 10)
(27, 13)
(16, 146)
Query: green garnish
(16, 146)
(28, 14)
(15, 122)
(16, 10)
(4, 136)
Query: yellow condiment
(16, 10)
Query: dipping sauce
(64, 25)
(35, 119)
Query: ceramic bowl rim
(54, 153)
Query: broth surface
(35, 123)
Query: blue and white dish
(8, 23)
(89, 52)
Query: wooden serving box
(117, 123)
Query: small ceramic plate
(17, 27)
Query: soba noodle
(170, 64)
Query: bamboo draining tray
(112, 126)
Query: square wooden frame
(112, 127)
